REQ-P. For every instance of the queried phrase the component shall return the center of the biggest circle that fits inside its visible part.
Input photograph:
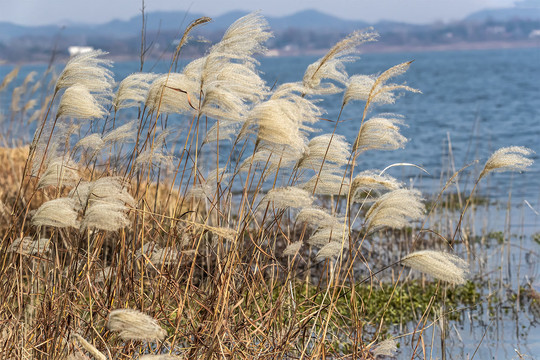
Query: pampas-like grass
(134, 325)
(292, 248)
(282, 198)
(318, 218)
(324, 236)
(133, 90)
(173, 93)
(59, 172)
(121, 134)
(327, 183)
(89, 347)
(379, 133)
(77, 102)
(511, 158)
(331, 65)
(368, 181)
(154, 153)
(105, 216)
(440, 265)
(330, 250)
(29, 246)
(56, 213)
(92, 142)
(395, 209)
(90, 71)
(333, 149)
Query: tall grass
(218, 223)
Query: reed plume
(440, 265)
(134, 325)
(56, 213)
(395, 208)
(511, 158)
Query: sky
(41, 12)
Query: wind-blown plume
(89, 71)
(318, 218)
(59, 172)
(133, 90)
(121, 134)
(511, 158)
(28, 246)
(327, 183)
(282, 198)
(379, 133)
(368, 181)
(292, 248)
(333, 149)
(134, 325)
(331, 65)
(56, 213)
(173, 93)
(77, 102)
(394, 209)
(440, 265)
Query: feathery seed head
(290, 196)
(133, 90)
(368, 181)
(327, 183)
(395, 208)
(440, 265)
(121, 134)
(59, 172)
(92, 142)
(385, 348)
(324, 236)
(56, 213)
(134, 325)
(89, 71)
(508, 159)
(331, 65)
(292, 248)
(319, 218)
(333, 149)
(77, 102)
(330, 250)
(379, 133)
(173, 93)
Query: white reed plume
(380, 91)
(133, 90)
(134, 325)
(154, 153)
(282, 198)
(16, 99)
(385, 348)
(331, 65)
(209, 186)
(318, 218)
(164, 256)
(379, 133)
(440, 265)
(229, 89)
(89, 71)
(89, 347)
(59, 172)
(511, 158)
(330, 250)
(222, 130)
(395, 208)
(56, 213)
(244, 38)
(368, 181)
(292, 248)
(124, 133)
(371, 88)
(77, 102)
(29, 246)
(173, 93)
(105, 216)
(92, 142)
(333, 149)
(272, 160)
(327, 183)
(323, 236)
(105, 201)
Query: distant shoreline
(373, 48)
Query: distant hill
(177, 21)
(524, 10)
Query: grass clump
(200, 228)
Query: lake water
(480, 101)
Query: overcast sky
(38, 12)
